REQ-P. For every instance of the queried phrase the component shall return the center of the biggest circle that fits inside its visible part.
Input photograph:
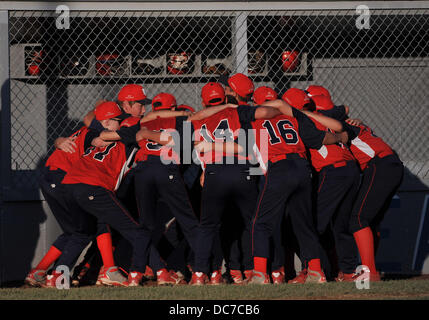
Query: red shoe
(259, 278)
(345, 277)
(51, 280)
(236, 276)
(198, 279)
(148, 274)
(135, 278)
(100, 274)
(374, 277)
(247, 275)
(216, 278)
(113, 277)
(300, 278)
(36, 278)
(314, 276)
(165, 277)
(179, 277)
(278, 276)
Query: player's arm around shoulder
(208, 112)
(280, 105)
(328, 122)
(66, 144)
(152, 115)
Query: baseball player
(90, 186)
(338, 182)
(382, 175)
(68, 151)
(287, 181)
(261, 95)
(225, 180)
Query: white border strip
(218, 6)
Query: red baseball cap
(323, 102)
(263, 94)
(185, 107)
(239, 83)
(163, 101)
(213, 94)
(297, 98)
(133, 92)
(315, 90)
(107, 110)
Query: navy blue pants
(287, 182)
(337, 190)
(381, 179)
(225, 184)
(154, 182)
(54, 193)
(92, 206)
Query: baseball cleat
(278, 276)
(113, 277)
(374, 277)
(165, 277)
(198, 279)
(148, 274)
(51, 280)
(315, 276)
(100, 274)
(135, 278)
(77, 279)
(216, 278)
(300, 278)
(237, 276)
(345, 277)
(247, 275)
(259, 278)
(35, 278)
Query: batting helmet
(133, 92)
(107, 110)
(263, 94)
(213, 94)
(297, 98)
(163, 101)
(178, 63)
(322, 102)
(289, 60)
(315, 90)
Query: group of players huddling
(223, 187)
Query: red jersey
(367, 146)
(277, 136)
(223, 126)
(148, 147)
(60, 159)
(101, 166)
(130, 121)
(334, 154)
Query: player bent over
(382, 174)
(68, 151)
(90, 187)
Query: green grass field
(415, 289)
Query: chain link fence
(59, 68)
